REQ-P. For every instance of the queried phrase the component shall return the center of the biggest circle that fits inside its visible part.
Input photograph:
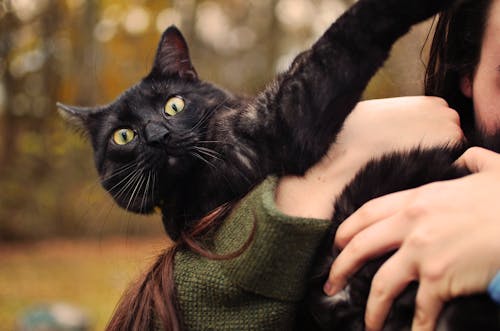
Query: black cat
(187, 146)
(346, 310)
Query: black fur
(394, 172)
(222, 145)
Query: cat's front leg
(324, 84)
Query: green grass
(89, 274)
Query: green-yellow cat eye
(174, 105)
(123, 136)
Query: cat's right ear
(76, 116)
(172, 57)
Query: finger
(374, 241)
(371, 212)
(389, 281)
(477, 159)
(427, 309)
(439, 101)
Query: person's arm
(448, 234)
(374, 128)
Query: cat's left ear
(172, 56)
(76, 116)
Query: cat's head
(149, 139)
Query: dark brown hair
(455, 53)
(151, 303)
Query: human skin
(484, 86)
(448, 261)
(374, 128)
(418, 221)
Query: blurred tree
(8, 24)
(188, 10)
(49, 82)
(86, 55)
(273, 42)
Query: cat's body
(396, 172)
(186, 146)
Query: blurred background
(61, 237)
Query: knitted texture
(260, 289)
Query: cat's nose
(156, 133)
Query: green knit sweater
(260, 289)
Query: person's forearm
(313, 195)
(374, 128)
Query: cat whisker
(153, 185)
(210, 142)
(208, 152)
(203, 151)
(201, 158)
(136, 190)
(123, 167)
(135, 175)
(207, 115)
(204, 118)
(146, 191)
(128, 177)
(213, 142)
(119, 171)
(199, 152)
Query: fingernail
(327, 288)
(330, 289)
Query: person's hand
(374, 128)
(448, 238)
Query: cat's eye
(123, 136)
(174, 105)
